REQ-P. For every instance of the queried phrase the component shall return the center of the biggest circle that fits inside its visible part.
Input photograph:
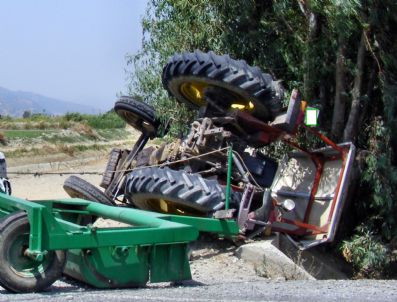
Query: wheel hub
(20, 263)
(194, 91)
(137, 121)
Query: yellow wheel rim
(169, 207)
(194, 92)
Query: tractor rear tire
(174, 192)
(19, 273)
(77, 187)
(137, 114)
(188, 75)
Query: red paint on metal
(257, 128)
(337, 189)
(319, 170)
(324, 139)
(303, 225)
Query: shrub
(370, 250)
(73, 116)
(368, 254)
(109, 120)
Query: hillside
(14, 103)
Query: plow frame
(149, 242)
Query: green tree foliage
(27, 114)
(340, 54)
(169, 27)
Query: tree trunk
(351, 128)
(308, 78)
(369, 93)
(313, 31)
(323, 104)
(338, 117)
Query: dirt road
(50, 186)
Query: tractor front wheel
(139, 115)
(77, 187)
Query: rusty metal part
(165, 153)
(204, 127)
(259, 133)
(224, 214)
(245, 205)
(205, 134)
(118, 176)
(143, 157)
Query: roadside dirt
(213, 261)
(50, 186)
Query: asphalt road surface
(305, 291)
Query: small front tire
(77, 187)
(137, 114)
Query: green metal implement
(229, 176)
(152, 245)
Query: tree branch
(302, 6)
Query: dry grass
(85, 130)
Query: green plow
(43, 239)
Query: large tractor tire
(190, 76)
(174, 192)
(18, 272)
(137, 114)
(77, 187)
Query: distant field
(108, 120)
(70, 134)
(67, 136)
(33, 133)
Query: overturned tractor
(216, 180)
(219, 169)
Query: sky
(73, 50)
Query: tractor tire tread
(77, 187)
(176, 186)
(236, 74)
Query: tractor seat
(288, 120)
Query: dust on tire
(182, 191)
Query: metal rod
(229, 176)
(112, 189)
(240, 169)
